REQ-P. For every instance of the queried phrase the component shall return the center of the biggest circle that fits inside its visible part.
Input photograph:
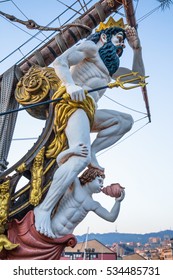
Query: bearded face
(112, 48)
(110, 54)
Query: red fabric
(32, 244)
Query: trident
(118, 83)
(137, 78)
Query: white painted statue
(85, 66)
(78, 201)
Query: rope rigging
(131, 109)
(4, 1)
(35, 138)
(125, 138)
(69, 7)
(31, 22)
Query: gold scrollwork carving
(21, 168)
(6, 244)
(4, 202)
(34, 87)
(36, 180)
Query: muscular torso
(71, 211)
(91, 74)
(87, 69)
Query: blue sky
(142, 163)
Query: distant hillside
(116, 237)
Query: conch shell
(114, 190)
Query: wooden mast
(45, 55)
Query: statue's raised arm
(135, 44)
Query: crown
(111, 23)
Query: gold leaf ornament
(4, 201)
(5, 243)
(34, 87)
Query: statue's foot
(43, 222)
(94, 163)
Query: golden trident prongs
(137, 78)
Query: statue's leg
(111, 126)
(77, 132)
